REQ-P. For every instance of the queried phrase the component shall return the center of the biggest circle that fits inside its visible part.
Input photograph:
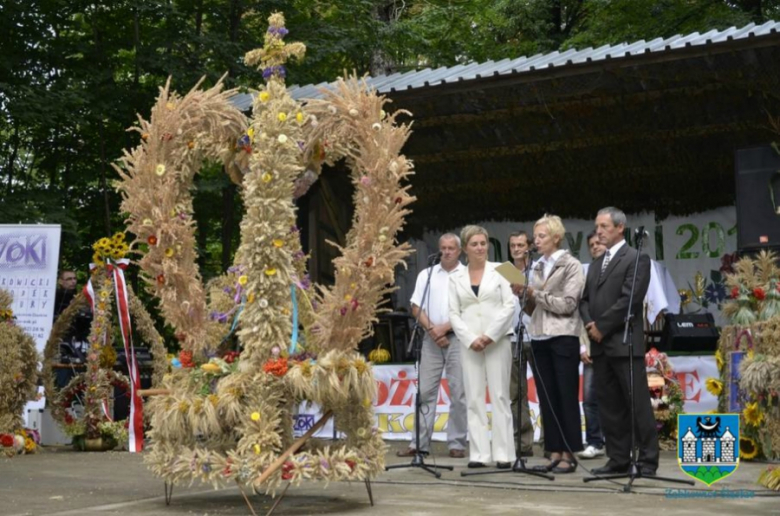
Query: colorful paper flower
(282, 117)
(160, 170)
(255, 416)
(243, 279)
(266, 177)
(264, 96)
(270, 271)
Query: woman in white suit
(481, 310)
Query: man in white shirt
(440, 352)
(519, 248)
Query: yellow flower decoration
(264, 96)
(169, 252)
(278, 242)
(719, 360)
(270, 271)
(147, 222)
(257, 449)
(104, 294)
(160, 170)
(714, 386)
(299, 117)
(250, 297)
(748, 449)
(255, 416)
(242, 280)
(282, 117)
(366, 402)
(361, 432)
(753, 414)
(267, 177)
(347, 297)
(251, 133)
(118, 237)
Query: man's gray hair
(617, 216)
(450, 236)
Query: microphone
(434, 258)
(640, 231)
(531, 249)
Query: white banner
(29, 255)
(685, 246)
(396, 388)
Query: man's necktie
(605, 263)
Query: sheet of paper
(511, 273)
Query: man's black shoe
(646, 472)
(475, 464)
(609, 470)
(503, 465)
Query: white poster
(29, 256)
(397, 384)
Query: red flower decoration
(351, 463)
(185, 357)
(759, 293)
(152, 240)
(276, 367)
(287, 470)
(727, 263)
(734, 292)
(7, 440)
(161, 279)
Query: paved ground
(62, 482)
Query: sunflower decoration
(753, 414)
(748, 448)
(714, 386)
(719, 361)
(114, 248)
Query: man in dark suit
(603, 310)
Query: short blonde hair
(469, 232)
(554, 226)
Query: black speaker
(758, 198)
(689, 333)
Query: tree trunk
(228, 223)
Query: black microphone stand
(520, 331)
(415, 345)
(633, 468)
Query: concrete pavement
(61, 482)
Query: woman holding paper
(481, 310)
(553, 297)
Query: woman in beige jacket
(553, 299)
(481, 310)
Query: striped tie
(605, 263)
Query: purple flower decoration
(306, 282)
(277, 70)
(278, 31)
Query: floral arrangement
(21, 442)
(666, 397)
(226, 416)
(18, 378)
(753, 338)
(95, 386)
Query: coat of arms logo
(708, 445)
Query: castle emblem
(708, 445)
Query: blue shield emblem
(708, 445)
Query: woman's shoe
(547, 467)
(570, 469)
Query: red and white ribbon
(136, 426)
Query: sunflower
(753, 415)
(748, 449)
(719, 360)
(714, 385)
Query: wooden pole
(292, 449)
(153, 392)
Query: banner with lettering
(396, 388)
(696, 250)
(29, 256)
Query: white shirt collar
(438, 268)
(615, 248)
(553, 257)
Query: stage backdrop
(685, 246)
(29, 256)
(396, 387)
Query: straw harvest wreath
(224, 416)
(95, 387)
(18, 379)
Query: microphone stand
(520, 331)
(415, 345)
(633, 468)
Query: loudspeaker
(689, 333)
(758, 198)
